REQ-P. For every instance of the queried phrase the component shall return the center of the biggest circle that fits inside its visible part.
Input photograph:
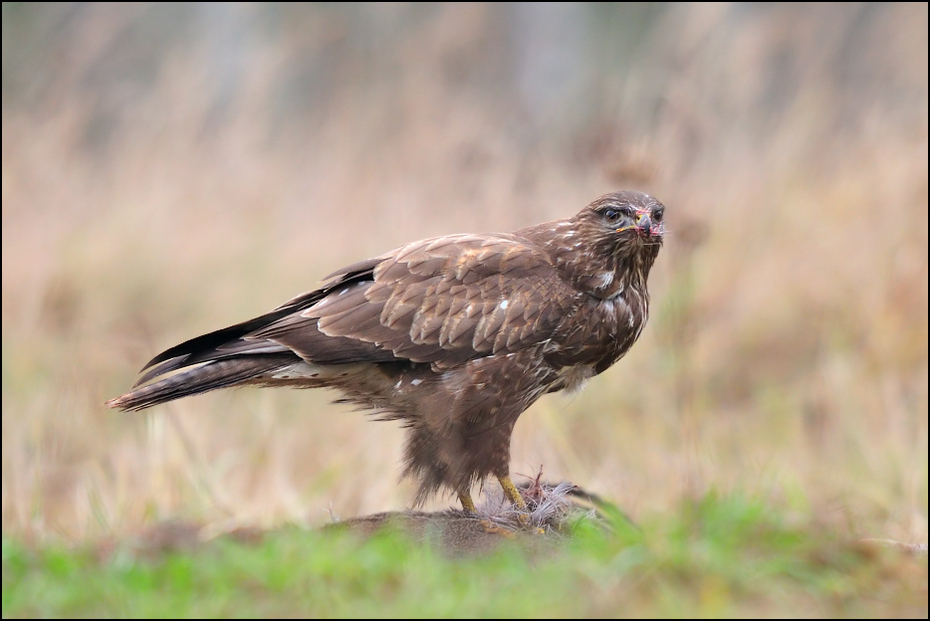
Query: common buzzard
(455, 336)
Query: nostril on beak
(644, 224)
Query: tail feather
(210, 376)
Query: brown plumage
(456, 336)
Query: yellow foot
(512, 493)
(467, 503)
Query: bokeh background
(172, 169)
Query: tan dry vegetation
(171, 170)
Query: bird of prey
(455, 336)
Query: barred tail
(210, 376)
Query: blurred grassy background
(172, 169)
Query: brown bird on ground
(455, 336)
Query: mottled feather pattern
(456, 335)
(445, 300)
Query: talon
(493, 529)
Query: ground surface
(719, 556)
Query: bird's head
(622, 231)
(627, 222)
(610, 244)
(620, 235)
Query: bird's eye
(612, 215)
(658, 213)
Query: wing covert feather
(444, 301)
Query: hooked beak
(644, 224)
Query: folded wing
(441, 301)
